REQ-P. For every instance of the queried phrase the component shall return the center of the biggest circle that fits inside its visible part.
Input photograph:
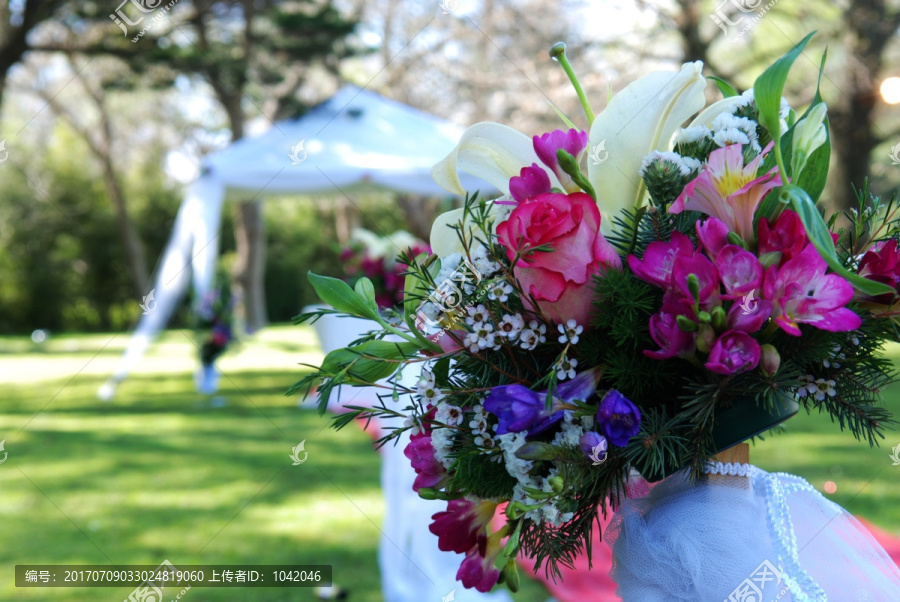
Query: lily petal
(445, 240)
(639, 119)
(490, 151)
(708, 115)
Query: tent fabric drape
(355, 141)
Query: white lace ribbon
(734, 469)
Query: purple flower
(802, 292)
(573, 142)
(707, 277)
(530, 182)
(593, 446)
(518, 408)
(713, 235)
(748, 314)
(733, 352)
(673, 341)
(660, 259)
(619, 418)
(740, 271)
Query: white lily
(639, 119)
(491, 151)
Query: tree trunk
(131, 242)
(854, 135)
(101, 148)
(420, 213)
(250, 237)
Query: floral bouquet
(371, 256)
(215, 314)
(643, 296)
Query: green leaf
(769, 208)
(360, 361)
(820, 237)
(814, 176)
(537, 450)
(725, 88)
(365, 290)
(340, 296)
(441, 370)
(769, 87)
(565, 119)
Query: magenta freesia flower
(477, 569)
(572, 141)
(530, 182)
(782, 240)
(462, 528)
(673, 341)
(801, 292)
(518, 408)
(419, 450)
(882, 264)
(429, 472)
(619, 419)
(459, 526)
(660, 258)
(740, 271)
(728, 190)
(733, 352)
(713, 235)
(559, 281)
(748, 314)
(707, 276)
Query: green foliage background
(62, 266)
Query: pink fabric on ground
(581, 583)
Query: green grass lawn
(165, 473)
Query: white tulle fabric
(745, 536)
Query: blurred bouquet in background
(215, 316)
(374, 257)
(644, 295)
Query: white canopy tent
(355, 141)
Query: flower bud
(694, 286)
(809, 134)
(666, 174)
(706, 336)
(556, 484)
(594, 446)
(511, 575)
(735, 239)
(769, 360)
(429, 493)
(685, 324)
(769, 259)
(719, 318)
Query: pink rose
(560, 280)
